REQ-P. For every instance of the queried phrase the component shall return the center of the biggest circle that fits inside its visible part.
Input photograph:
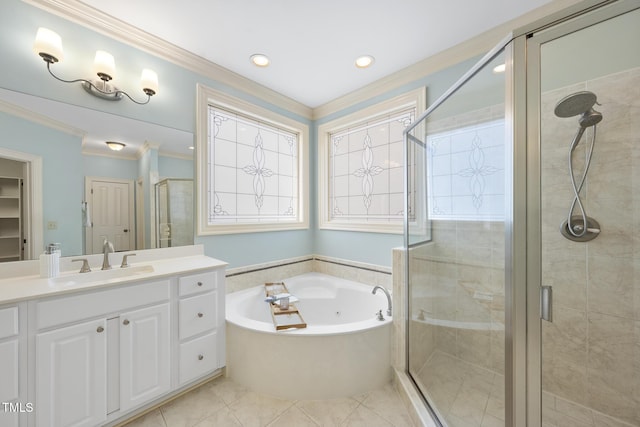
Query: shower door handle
(546, 303)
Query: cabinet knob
(200, 357)
(100, 329)
(200, 314)
(199, 283)
(126, 322)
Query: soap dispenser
(50, 261)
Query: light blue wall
(375, 248)
(62, 179)
(24, 71)
(171, 167)
(111, 167)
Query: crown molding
(80, 13)
(96, 20)
(465, 50)
(16, 110)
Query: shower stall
(522, 230)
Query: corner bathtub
(343, 351)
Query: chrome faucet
(386, 292)
(107, 247)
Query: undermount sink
(101, 275)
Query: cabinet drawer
(188, 285)
(57, 311)
(198, 357)
(8, 322)
(197, 314)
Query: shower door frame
(523, 403)
(530, 45)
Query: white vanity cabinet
(12, 371)
(144, 355)
(98, 355)
(71, 375)
(201, 324)
(110, 364)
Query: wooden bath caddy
(283, 319)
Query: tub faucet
(107, 247)
(386, 292)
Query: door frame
(531, 48)
(88, 182)
(33, 229)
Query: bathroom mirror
(71, 143)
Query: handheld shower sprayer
(580, 228)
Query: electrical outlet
(52, 225)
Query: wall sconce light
(115, 146)
(48, 45)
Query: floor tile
(152, 419)
(191, 408)
(293, 417)
(328, 413)
(258, 410)
(365, 417)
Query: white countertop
(153, 264)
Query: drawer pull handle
(199, 283)
(100, 329)
(126, 322)
(200, 314)
(200, 357)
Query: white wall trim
(207, 96)
(475, 46)
(99, 21)
(15, 110)
(416, 98)
(35, 230)
(96, 20)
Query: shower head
(590, 118)
(574, 104)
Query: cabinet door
(9, 390)
(71, 376)
(144, 351)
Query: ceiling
(313, 44)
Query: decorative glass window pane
(466, 172)
(366, 170)
(253, 171)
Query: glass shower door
(458, 166)
(589, 104)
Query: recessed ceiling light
(364, 61)
(115, 146)
(191, 147)
(499, 68)
(260, 60)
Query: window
(252, 167)
(465, 179)
(361, 166)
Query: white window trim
(207, 96)
(416, 98)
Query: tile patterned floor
(466, 395)
(222, 403)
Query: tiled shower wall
(591, 351)
(457, 294)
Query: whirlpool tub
(345, 350)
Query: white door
(144, 352)
(71, 376)
(111, 207)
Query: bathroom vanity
(92, 349)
